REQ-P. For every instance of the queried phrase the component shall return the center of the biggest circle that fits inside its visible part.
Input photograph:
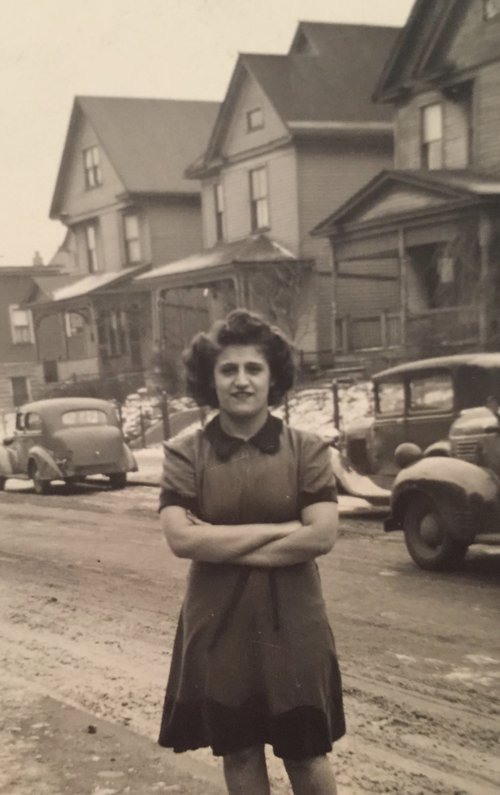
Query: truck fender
(351, 482)
(46, 464)
(469, 492)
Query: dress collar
(267, 439)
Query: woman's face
(242, 379)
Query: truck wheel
(40, 486)
(118, 480)
(428, 538)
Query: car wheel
(3, 481)
(40, 486)
(428, 538)
(118, 480)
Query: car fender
(467, 492)
(47, 466)
(351, 482)
(130, 462)
(440, 448)
(6, 462)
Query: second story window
(92, 167)
(259, 207)
(219, 211)
(132, 239)
(491, 8)
(91, 244)
(255, 119)
(432, 136)
(21, 325)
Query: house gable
(396, 193)
(238, 138)
(73, 196)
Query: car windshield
(84, 417)
(476, 384)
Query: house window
(21, 325)
(432, 136)
(50, 371)
(132, 239)
(255, 119)
(92, 167)
(74, 324)
(219, 211)
(259, 208)
(21, 391)
(491, 8)
(91, 243)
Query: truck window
(390, 397)
(432, 392)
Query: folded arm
(189, 537)
(315, 536)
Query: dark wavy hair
(240, 327)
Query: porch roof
(80, 287)
(250, 250)
(447, 185)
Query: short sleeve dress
(254, 658)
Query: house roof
(453, 185)
(420, 50)
(250, 250)
(331, 81)
(148, 141)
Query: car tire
(118, 480)
(428, 537)
(3, 481)
(40, 486)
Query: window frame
(132, 241)
(251, 114)
(17, 339)
(91, 250)
(426, 144)
(259, 201)
(219, 208)
(92, 167)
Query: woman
(252, 503)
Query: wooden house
(416, 250)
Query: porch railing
(444, 327)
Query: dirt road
(89, 600)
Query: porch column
(403, 286)
(334, 308)
(484, 297)
(155, 313)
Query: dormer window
(491, 8)
(92, 167)
(432, 136)
(255, 119)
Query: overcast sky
(52, 50)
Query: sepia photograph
(250, 397)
